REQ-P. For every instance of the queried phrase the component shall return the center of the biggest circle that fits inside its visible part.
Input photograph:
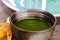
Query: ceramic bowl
(51, 6)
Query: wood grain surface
(5, 12)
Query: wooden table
(5, 12)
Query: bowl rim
(34, 31)
(8, 5)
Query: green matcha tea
(33, 24)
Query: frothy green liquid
(33, 24)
